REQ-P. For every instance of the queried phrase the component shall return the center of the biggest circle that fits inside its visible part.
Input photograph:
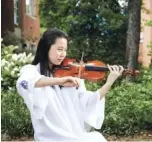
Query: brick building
(22, 18)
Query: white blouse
(61, 114)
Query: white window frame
(16, 12)
(30, 8)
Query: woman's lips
(60, 60)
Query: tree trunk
(133, 34)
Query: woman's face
(57, 52)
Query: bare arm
(115, 72)
(104, 89)
(68, 81)
(47, 81)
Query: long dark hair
(49, 38)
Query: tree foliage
(97, 27)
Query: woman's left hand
(115, 72)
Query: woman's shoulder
(29, 67)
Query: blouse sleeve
(92, 107)
(34, 98)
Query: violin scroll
(131, 72)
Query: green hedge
(129, 106)
(15, 117)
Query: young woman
(61, 113)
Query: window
(16, 12)
(30, 8)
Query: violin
(93, 71)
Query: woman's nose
(63, 54)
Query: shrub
(129, 106)
(15, 117)
(11, 64)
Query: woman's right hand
(69, 81)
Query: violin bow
(81, 63)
